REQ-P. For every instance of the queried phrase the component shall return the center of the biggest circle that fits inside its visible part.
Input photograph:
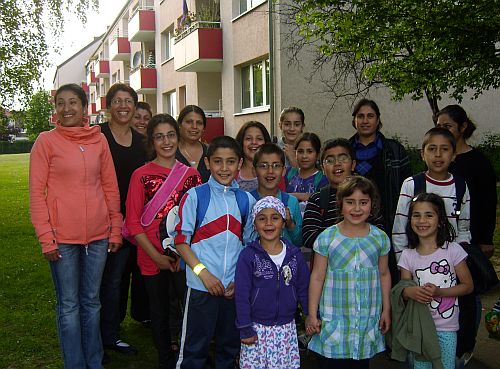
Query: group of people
(244, 237)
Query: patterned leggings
(448, 343)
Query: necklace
(189, 157)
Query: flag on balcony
(185, 11)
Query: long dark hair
(459, 116)
(366, 102)
(192, 109)
(445, 231)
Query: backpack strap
(255, 194)
(243, 206)
(317, 179)
(419, 184)
(284, 198)
(460, 187)
(291, 173)
(324, 199)
(203, 200)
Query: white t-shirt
(278, 259)
(437, 268)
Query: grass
(28, 337)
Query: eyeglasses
(266, 166)
(158, 137)
(341, 159)
(120, 101)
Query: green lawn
(28, 337)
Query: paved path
(486, 354)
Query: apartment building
(227, 56)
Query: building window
(255, 85)
(114, 78)
(170, 103)
(246, 5)
(167, 42)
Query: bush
(16, 147)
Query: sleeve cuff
(247, 332)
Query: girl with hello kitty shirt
(438, 267)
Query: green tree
(425, 48)
(23, 42)
(38, 113)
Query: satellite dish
(137, 60)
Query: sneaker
(303, 341)
(122, 347)
(466, 357)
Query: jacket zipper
(227, 233)
(277, 296)
(82, 149)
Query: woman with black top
(191, 151)
(127, 150)
(476, 169)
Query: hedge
(16, 147)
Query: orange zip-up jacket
(74, 196)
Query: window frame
(264, 90)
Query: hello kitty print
(437, 268)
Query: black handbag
(482, 271)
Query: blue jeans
(77, 279)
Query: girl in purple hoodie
(271, 277)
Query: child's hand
(313, 325)
(249, 340)
(229, 292)
(433, 289)
(418, 293)
(385, 321)
(212, 283)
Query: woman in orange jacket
(75, 209)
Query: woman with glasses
(128, 153)
(75, 209)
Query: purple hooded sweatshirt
(266, 295)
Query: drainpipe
(271, 69)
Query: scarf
(366, 153)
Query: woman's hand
(165, 262)
(53, 255)
(114, 247)
(249, 340)
(313, 325)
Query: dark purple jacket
(265, 295)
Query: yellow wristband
(198, 268)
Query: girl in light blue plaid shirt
(350, 283)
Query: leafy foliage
(419, 48)
(38, 114)
(23, 42)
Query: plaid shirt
(351, 300)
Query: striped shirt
(351, 299)
(445, 189)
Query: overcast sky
(76, 35)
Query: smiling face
(165, 141)
(122, 108)
(252, 140)
(140, 120)
(337, 165)
(366, 122)
(306, 154)
(191, 127)
(269, 178)
(69, 109)
(224, 164)
(269, 224)
(292, 127)
(438, 154)
(424, 220)
(356, 208)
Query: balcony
(119, 50)
(91, 109)
(143, 80)
(215, 128)
(100, 103)
(85, 87)
(101, 69)
(91, 78)
(199, 48)
(141, 26)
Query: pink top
(74, 196)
